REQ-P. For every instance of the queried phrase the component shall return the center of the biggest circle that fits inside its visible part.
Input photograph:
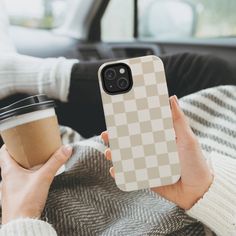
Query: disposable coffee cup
(30, 130)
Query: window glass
(37, 13)
(118, 20)
(187, 18)
(170, 19)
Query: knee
(206, 65)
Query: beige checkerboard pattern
(139, 123)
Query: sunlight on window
(170, 19)
(167, 19)
(158, 17)
(37, 13)
(117, 22)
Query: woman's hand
(24, 192)
(196, 176)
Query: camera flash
(122, 71)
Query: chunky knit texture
(35, 75)
(85, 200)
(27, 227)
(217, 208)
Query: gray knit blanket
(85, 200)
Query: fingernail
(171, 99)
(61, 170)
(67, 149)
(108, 154)
(112, 172)
(176, 99)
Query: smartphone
(139, 123)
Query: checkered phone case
(140, 128)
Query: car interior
(82, 37)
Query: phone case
(140, 128)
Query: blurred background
(179, 19)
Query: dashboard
(41, 43)
(116, 50)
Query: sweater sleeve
(27, 227)
(217, 208)
(32, 75)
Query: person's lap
(188, 73)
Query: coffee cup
(30, 130)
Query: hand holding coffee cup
(30, 130)
(24, 192)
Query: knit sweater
(212, 116)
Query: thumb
(6, 161)
(50, 168)
(181, 125)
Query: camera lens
(110, 74)
(123, 83)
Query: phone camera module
(110, 74)
(117, 78)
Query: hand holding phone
(196, 176)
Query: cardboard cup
(31, 138)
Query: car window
(191, 18)
(117, 22)
(173, 19)
(45, 14)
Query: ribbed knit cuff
(27, 227)
(217, 208)
(63, 79)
